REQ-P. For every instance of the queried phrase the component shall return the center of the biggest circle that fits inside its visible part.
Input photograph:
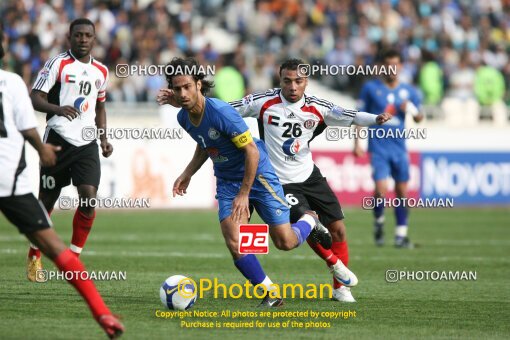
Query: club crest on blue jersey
(291, 146)
(213, 134)
(81, 104)
(403, 94)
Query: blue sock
(379, 211)
(401, 218)
(302, 230)
(250, 267)
(401, 215)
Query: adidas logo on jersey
(291, 115)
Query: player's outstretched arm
(358, 150)
(240, 205)
(46, 151)
(367, 119)
(40, 103)
(182, 182)
(106, 147)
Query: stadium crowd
(457, 48)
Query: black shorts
(313, 194)
(79, 163)
(25, 212)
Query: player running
(243, 171)
(19, 205)
(388, 156)
(288, 120)
(71, 90)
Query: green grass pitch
(152, 245)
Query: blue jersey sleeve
(180, 118)
(230, 123)
(364, 98)
(415, 97)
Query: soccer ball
(178, 292)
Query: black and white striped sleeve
(250, 105)
(47, 76)
(335, 115)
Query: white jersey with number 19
(16, 114)
(67, 81)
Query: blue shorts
(266, 196)
(396, 165)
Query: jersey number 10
(85, 87)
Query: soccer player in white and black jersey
(19, 205)
(289, 119)
(71, 90)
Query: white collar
(72, 55)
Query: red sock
(81, 229)
(326, 254)
(66, 261)
(341, 250)
(33, 250)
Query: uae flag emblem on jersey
(70, 78)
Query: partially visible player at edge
(244, 174)
(17, 124)
(388, 156)
(71, 90)
(289, 119)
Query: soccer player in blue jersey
(388, 154)
(243, 171)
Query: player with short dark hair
(19, 205)
(243, 171)
(289, 119)
(388, 156)
(71, 90)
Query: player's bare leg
(401, 239)
(381, 188)
(284, 238)
(50, 244)
(83, 218)
(34, 262)
(230, 232)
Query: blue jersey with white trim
(222, 132)
(376, 98)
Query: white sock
(401, 231)
(267, 283)
(380, 219)
(309, 220)
(75, 249)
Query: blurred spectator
(430, 79)
(228, 82)
(489, 85)
(460, 33)
(462, 80)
